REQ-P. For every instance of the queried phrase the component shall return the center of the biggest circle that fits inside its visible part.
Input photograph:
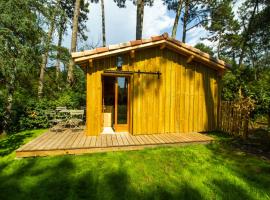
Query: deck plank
(124, 139)
(77, 140)
(69, 142)
(31, 143)
(120, 141)
(134, 139)
(53, 142)
(64, 139)
(140, 139)
(104, 140)
(109, 140)
(47, 142)
(98, 141)
(87, 141)
(130, 141)
(158, 139)
(93, 141)
(114, 141)
(82, 141)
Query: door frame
(119, 127)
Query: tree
(52, 17)
(204, 48)
(140, 13)
(103, 23)
(176, 20)
(61, 31)
(65, 19)
(192, 14)
(75, 30)
(185, 20)
(139, 21)
(103, 19)
(177, 7)
(19, 48)
(74, 39)
(222, 26)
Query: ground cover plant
(214, 171)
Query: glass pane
(122, 100)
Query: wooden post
(189, 60)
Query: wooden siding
(184, 98)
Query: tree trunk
(218, 47)
(185, 20)
(103, 23)
(74, 40)
(178, 13)
(59, 44)
(8, 109)
(46, 52)
(140, 13)
(268, 119)
(45, 60)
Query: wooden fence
(232, 120)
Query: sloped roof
(163, 40)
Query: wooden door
(121, 121)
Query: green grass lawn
(214, 171)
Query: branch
(197, 24)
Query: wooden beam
(162, 46)
(132, 54)
(90, 62)
(117, 51)
(190, 58)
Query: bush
(34, 113)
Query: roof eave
(182, 48)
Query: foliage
(204, 48)
(19, 49)
(222, 26)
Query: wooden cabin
(151, 86)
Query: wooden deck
(76, 142)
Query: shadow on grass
(13, 142)
(59, 181)
(242, 165)
(94, 177)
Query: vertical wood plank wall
(184, 99)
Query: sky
(121, 24)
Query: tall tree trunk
(176, 20)
(269, 118)
(46, 51)
(218, 47)
(59, 44)
(75, 24)
(10, 93)
(103, 23)
(185, 20)
(140, 13)
(45, 60)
